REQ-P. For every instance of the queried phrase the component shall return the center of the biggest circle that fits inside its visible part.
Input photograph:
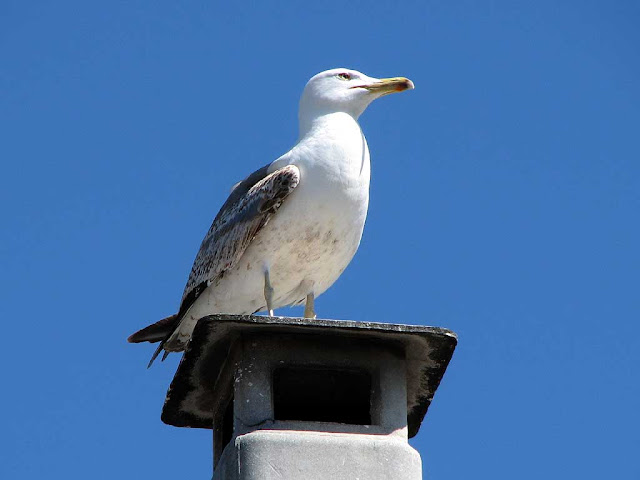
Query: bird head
(348, 91)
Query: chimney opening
(319, 394)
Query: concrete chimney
(296, 398)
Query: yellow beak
(385, 86)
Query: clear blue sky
(505, 195)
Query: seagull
(288, 230)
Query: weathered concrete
(292, 398)
(278, 455)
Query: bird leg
(268, 292)
(308, 307)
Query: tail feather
(155, 332)
(156, 353)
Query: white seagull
(288, 230)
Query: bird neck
(328, 123)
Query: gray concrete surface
(305, 399)
(289, 455)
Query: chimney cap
(428, 351)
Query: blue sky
(504, 205)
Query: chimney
(298, 398)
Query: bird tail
(156, 332)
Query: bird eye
(344, 76)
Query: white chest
(318, 229)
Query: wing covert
(247, 210)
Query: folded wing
(248, 209)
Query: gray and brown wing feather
(250, 206)
(247, 210)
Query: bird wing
(247, 210)
(250, 206)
